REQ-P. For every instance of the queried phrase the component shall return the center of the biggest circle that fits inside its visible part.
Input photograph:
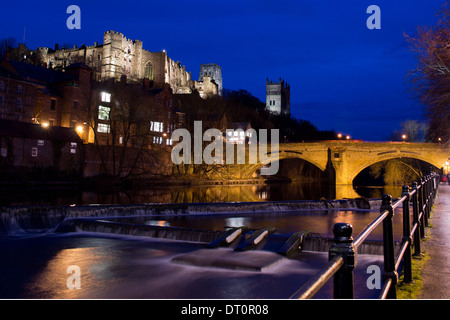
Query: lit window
(158, 140)
(148, 71)
(34, 152)
(103, 128)
(106, 97)
(103, 112)
(156, 126)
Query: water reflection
(191, 194)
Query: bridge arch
(358, 167)
(283, 155)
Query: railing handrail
(342, 257)
(314, 284)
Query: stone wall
(119, 56)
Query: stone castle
(119, 56)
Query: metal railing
(342, 253)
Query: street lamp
(404, 136)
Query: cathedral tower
(278, 97)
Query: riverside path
(436, 271)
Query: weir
(102, 219)
(43, 218)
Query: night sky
(343, 76)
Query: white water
(141, 268)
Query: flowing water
(35, 259)
(136, 268)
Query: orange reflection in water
(51, 282)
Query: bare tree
(431, 79)
(397, 171)
(126, 150)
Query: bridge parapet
(349, 158)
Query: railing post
(421, 210)
(415, 200)
(343, 246)
(407, 259)
(388, 247)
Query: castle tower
(278, 97)
(215, 72)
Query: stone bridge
(348, 158)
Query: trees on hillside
(431, 79)
(242, 106)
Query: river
(45, 195)
(121, 267)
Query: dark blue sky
(343, 76)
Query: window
(19, 89)
(19, 104)
(34, 152)
(157, 140)
(51, 122)
(2, 101)
(75, 104)
(52, 104)
(156, 126)
(73, 147)
(148, 71)
(2, 85)
(103, 112)
(103, 128)
(106, 97)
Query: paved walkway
(436, 272)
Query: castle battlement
(120, 56)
